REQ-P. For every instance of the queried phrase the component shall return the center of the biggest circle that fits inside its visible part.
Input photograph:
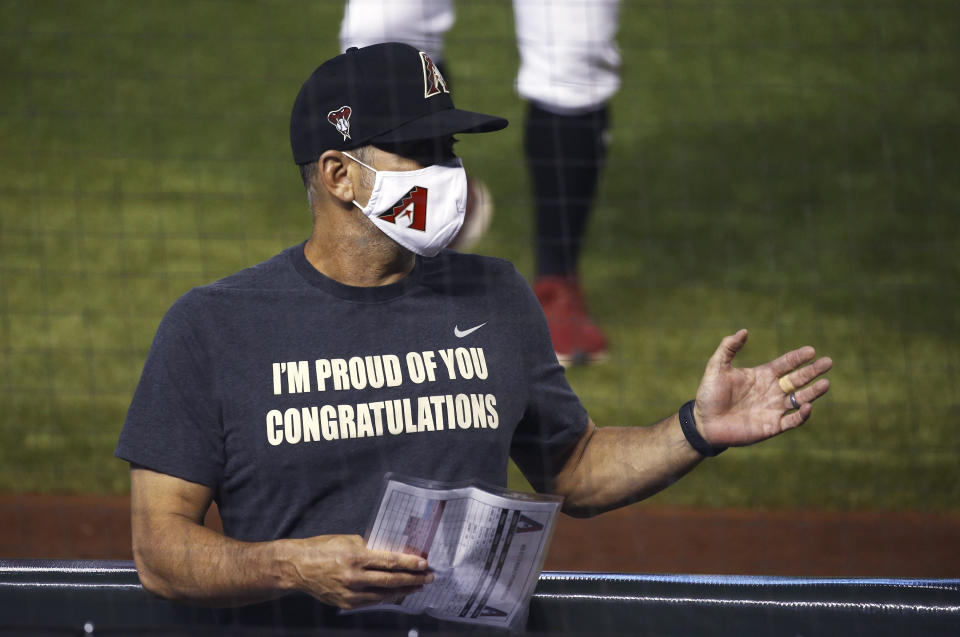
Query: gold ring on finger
(786, 385)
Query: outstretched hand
(737, 407)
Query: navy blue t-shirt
(291, 395)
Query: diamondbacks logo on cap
(412, 207)
(433, 82)
(340, 119)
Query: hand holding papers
(485, 546)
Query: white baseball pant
(569, 60)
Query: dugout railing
(87, 597)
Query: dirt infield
(638, 539)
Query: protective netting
(788, 167)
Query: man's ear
(333, 176)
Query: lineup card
(486, 549)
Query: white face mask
(422, 210)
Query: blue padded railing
(105, 598)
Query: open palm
(737, 407)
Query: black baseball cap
(388, 92)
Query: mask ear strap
(355, 203)
(359, 162)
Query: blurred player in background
(569, 70)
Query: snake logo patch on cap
(340, 119)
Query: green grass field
(791, 167)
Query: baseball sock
(565, 154)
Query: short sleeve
(174, 425)
(554, 419)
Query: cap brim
(450, 121)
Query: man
(569, 71)
(287, 390)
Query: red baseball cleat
(576, 338)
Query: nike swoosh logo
(461, 333)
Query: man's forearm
(182, 560)
(617, 466)
(178, 558)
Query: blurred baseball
(477, 218)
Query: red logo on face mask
(411, 207)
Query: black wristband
(689, 427)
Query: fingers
(791, 378)
(386, 569)
(341, 570)
(369, 597)
(355, 553)
(390, 561)
(797, 418)
(800, 377)
(808, 394)
(728, 349)
(364, 588)
(389, 579)
(369, 585)
(792, 360)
